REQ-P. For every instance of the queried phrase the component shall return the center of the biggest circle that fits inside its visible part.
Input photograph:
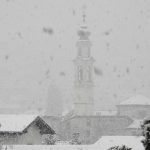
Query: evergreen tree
(146, 133)
(50, 139)
(75, 139)
(123, 147)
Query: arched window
(88, 74)
(80, 73)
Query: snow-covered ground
(103, 143)
(47, 147)
(133, 142)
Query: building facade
(136, 107)
(23, 130)
(83, 85)
(90, 125)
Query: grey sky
(37, 46)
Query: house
(136, 107)
(23, 129)
(134, 142)
(135, 127)
(54, 122)
(126, 121)
(91, 128)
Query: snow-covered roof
(5, 105)
(133, 142)
(15, 123)
(136, 124)
(136, 100)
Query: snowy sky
(37, 46)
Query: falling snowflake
(141, 67)
(6, 57)
(127, 70)
(98, 71)
(107, 32)
(8, 0)
(48, 30)
(134, 89)
(62, 73)
(137, 46)
(40, 82)
(114, 69)
(107, 45)
(115, 95)
(47, 72)
(139, 27)
(118, 76)
(51, 58)
(19, 35)
(59, 45)
(73, 12)
(106, 63)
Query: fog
(37, 48)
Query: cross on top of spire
(83, 32)
(84, 18)
(84, 15)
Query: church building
(83, 85)
(83, 118)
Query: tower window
(79, 52)
(88, 122)
(88, 133)
(88, 74)
(80, 73)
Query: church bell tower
(84, 101)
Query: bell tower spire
(84, 102)
(84, 15)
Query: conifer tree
(123, 147)
(146, 133)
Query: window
(88, 133)
(80, 73)
(142, 114)
(88, 122)
(29, 143)
(68, 125)
(88, 74)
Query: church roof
(136, 100)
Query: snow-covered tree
(50, 139)
(75, 139)
(146, 133)
(123, 147)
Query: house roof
(15, 123)
(19, 123)
(136, 124)
(136, 100)
(133, 142)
